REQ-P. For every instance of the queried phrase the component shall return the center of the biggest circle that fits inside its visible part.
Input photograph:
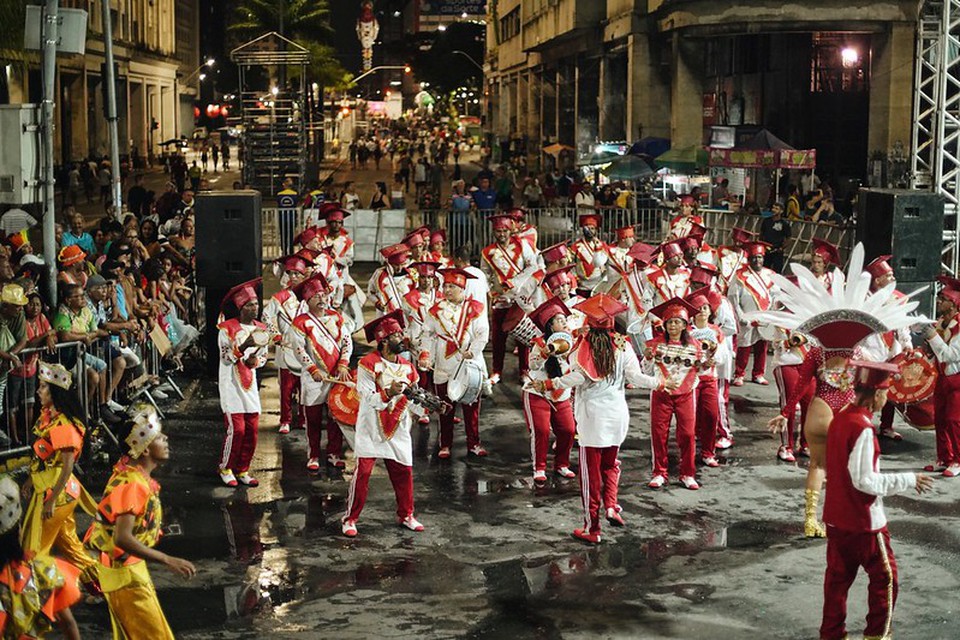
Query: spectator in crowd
(136, 195)
(793, 204)
(76, 235)
(584, 198)
(13, 336)
(16, 219)
(73, 269)
(101, 300)
(485, 198)
(826, 213)
(105, 179)
(74, 322)
(532, 193)
(22, 383)
(379, 200)
(775, 231)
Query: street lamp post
(468, 57)
(208, 63)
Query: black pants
(774, 260)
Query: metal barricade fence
(19, 396)
(278, 227)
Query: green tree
(299, 20)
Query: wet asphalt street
(497, 560)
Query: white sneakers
(313, 464)
(724, 443)
(349, 528)
(226, 475)
(656, 482)
(565, 472)
(539, 476)
(689, 482)
(245, 478)
(785, 453)
(284, 429)
(411, 523)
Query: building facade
(823, 74)
(156, 42)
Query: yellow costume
(134, 609)
(55, 433)
(32, 593)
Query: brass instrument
(426, 399)
(797, 340)
(559, 343)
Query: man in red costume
(752, 289)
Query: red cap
(589, 220)
(756, 248)
(703, 272)
(642, 253)
(715, 298)
(879, 266)
(242, 293)
(439, 235)
(307, 255)
(742, 236)
(543, 314)
(426, 269)
(600, 310)
(414, 239)
(699, 298)
(671, 249)
(675, 308)
(517, 213)
(396, 254)
(626, 232)
(423, 231)
(293, 263)
(306, 236)
(336, 215)
(687, 199)
(690, 242)
(383, 327)
(327, 207)
(952, 295)
(949, 282)
(555, 253)
(873, 375)
(698, 230)
(827, 251)
(501, 221)
(71, 254)
(458, 277)
(311, 286)
(559, 277)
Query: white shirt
(866, 477)
(371, 442)
(479, 287)
(16, 220)
(234, 398)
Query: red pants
(499, 340)
(318, 415)
(946, 419)
(759, 351)
(846, 552)
(708, 415)
(471, 420)
(400, 475)
(786, 377)
(540, 415)
(599, 483)
(663, 407)
(289, 389)
(241, 440)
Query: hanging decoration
(367, 31)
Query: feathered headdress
(844, 315)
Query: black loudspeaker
(229, 242)
(926, 298)
(905, 224)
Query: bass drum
(344, 403)
(465, 386)
(919, 415)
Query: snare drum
(344, 403)
(521, 327)
(465, 386)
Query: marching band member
(336, 237)
(561, 282)
(681, 224)
(417, 303)
(128, 527)
(392, 281)
(242, 352)
(550, 409)
(945, 345)
(418, 247)
(555, 256)
(38, 590)
(383, 422)
(672, 280)
(323, 345)
(601, 364)
(278, 314)
(619, 253)
(676, 356)
(503, 262)
(823, 258)
(733, 258)
(634, 285)
(56, 491)
(589, 253)
(523, 230)
(752, 289)
(857, 534)
(789, 351)
(456, 329)
(708, 397)
(323, 258)
(478, 287)
(438, 244)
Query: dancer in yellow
(127, 529)
(59, 430)
(36, 591)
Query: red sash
(232, 328)
(585, 260)
(389, 419)
(513, 261)
(761, 296)
(453, 336)
(306, 323)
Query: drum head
(916, 380)
(344, 403)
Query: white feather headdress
(844, 315)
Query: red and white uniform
(387, 286)
(342, 247)
(617, 259)
(707, 396)
(946, 395)
(383, 432)
(527, 234)
(503, 266)
(681, 364)
(681, 225)
(663, 285)
(787, 360)
(603, 419)
(591, 259)
(278, 314)
(445, 262)
(546, 411)
(323, 344)
(730, 261)
(239, 395)
(857, 533)
(751, 291)
(450, 330)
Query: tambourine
(260, 338)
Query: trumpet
(797, 340)
(559, 343)
(426, 399)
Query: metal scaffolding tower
(935, 162)
(274, 111)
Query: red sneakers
(586, 536)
